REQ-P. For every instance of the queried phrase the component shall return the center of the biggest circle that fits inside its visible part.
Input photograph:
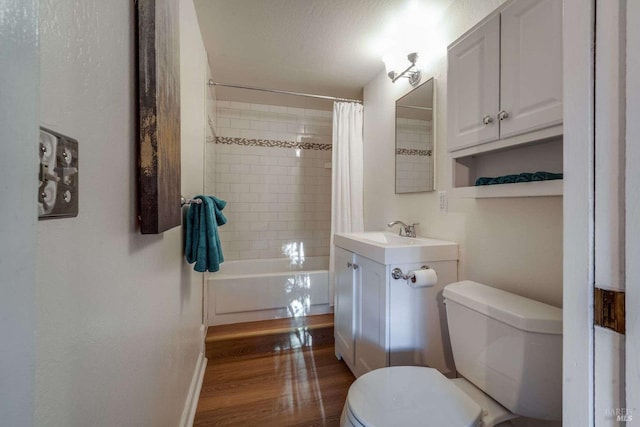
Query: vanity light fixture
(411, 72)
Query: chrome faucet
(409, 230)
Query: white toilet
(508, 350)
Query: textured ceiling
(314, 46)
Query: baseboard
(191, 404)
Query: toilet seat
(409, 395)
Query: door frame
(578, 24)
(632, 198)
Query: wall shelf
(532, 157)
(519, 189)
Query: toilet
(508, 353)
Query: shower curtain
(346, 176)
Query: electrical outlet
(444, 201)
(58, 175)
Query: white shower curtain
(346, 175)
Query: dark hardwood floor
(274, 373)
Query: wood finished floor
(273, 374)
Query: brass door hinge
(609, 309)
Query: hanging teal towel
(202, 243)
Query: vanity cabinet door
(473, 86)
(531, 66)
(371, 330)
(344, 313)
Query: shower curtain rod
(284, 92)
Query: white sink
(389, 248)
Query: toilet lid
(410, 396)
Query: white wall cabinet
(505, 77)
(380, 321)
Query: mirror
(414, 140)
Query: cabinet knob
(487, 119)
(355, 266)
(502, 115)
(349, 265)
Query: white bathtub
(250, 290)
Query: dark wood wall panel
(159, 115)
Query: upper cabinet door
(531, 66)
(473, 87)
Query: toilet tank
(508, 346)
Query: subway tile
(268, 116)
(239, 105)
(259, 226)
(229, 113)
(250, 134)
(250, 160)
(288, 161)
(277, 126)
(295, 128)
(258, 207)
(277, 225)
(259, 125)
(230, 255)
(259, 244)
(240, 188)
(259, 107)
(268, 235)
(250, 115)
(277, 207)
(270, 216)
(251, 254)
(286, 198)
(223, 123)
(286, 179)
(239, 124)
(271, 179)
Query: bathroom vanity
(381, 321)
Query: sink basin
(389, 248)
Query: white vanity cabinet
(344, 315)
(504, 78)
(359, 315)
(381, 321)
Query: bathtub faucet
(409, 230)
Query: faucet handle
(410, 230)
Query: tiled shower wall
(272, 165)
(414, 155)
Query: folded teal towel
(202, 243)
(545, 176)
(523, 177)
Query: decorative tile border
(413, 152)
(273, 143)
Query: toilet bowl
(508, 350)
(418, 396)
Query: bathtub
(250, 290)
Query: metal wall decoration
(158, 50)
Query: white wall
(119, 313)
(512, 244)
(18, 211)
